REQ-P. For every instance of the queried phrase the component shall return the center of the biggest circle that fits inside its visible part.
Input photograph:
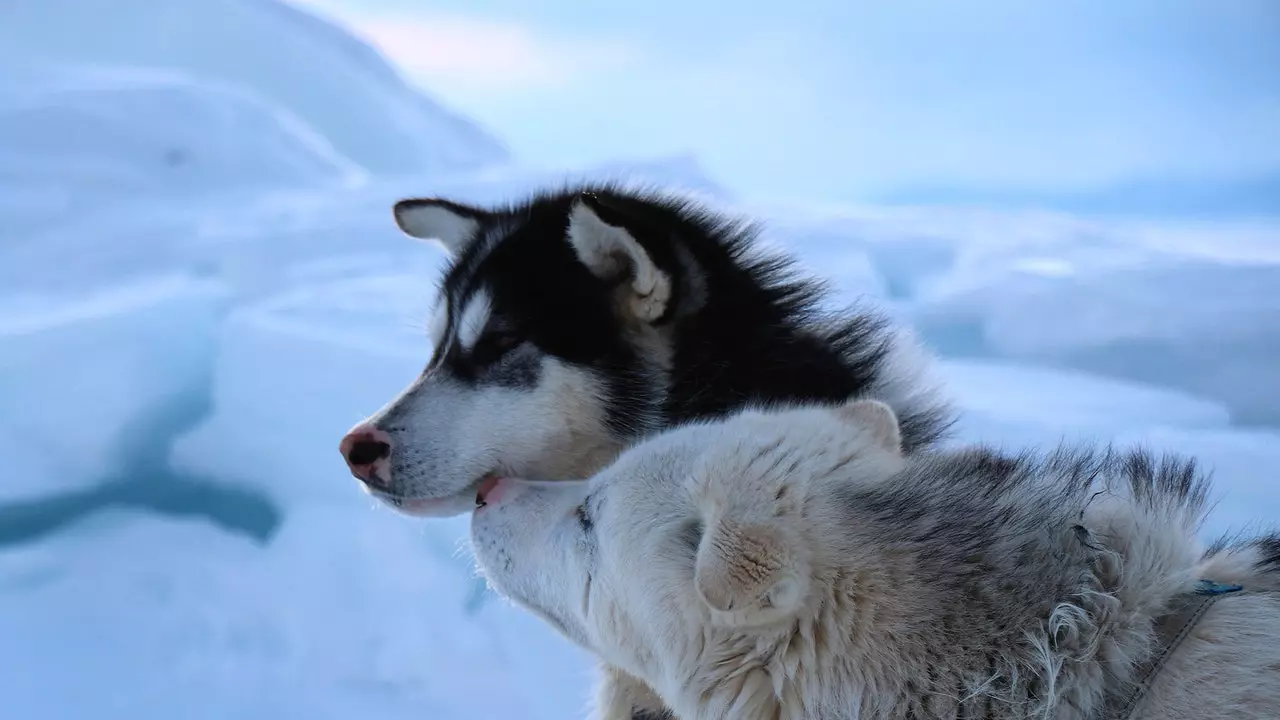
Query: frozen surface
(112, 131)
(312, 69)
(1191, 306)
(296, 372)
(82, 380)
(258, 242)
(1079, 404)
(350, 612)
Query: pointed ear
(750, 572)
(877, 420)
(611, 253)
(452, 224)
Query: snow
(1080, 405)
(202, 289)
(310, 362)
(1189, 306)
(346, 613)
(307, 66)
(83, 380)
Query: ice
(1075, 403)
(1201, 326)
(1190, 307)
(115, 131)
(348, 612)
(295, 372)
(311, 68)
(82, 380)
(258, 243)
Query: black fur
(1267, 546)
(760, 336)
(1269, 549)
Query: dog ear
(599, 235)
(750, 572)
(451, 224)
(876, 420)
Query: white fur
(549, 431)
(612, 254)
(727, 569)
(439, 322)
(911, 380)
(475, 315)
(426, 221)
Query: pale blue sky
(841, 100)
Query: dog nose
(367, 451)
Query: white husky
(794, 563)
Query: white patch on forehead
(439, 322)
(475, 315)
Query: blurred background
(1076, 204)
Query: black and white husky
(576, 322)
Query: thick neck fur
(970, 586)
(750, 329)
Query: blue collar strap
(1171, 629)
(1209, 587)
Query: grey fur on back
(985, 586)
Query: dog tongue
(486, 487)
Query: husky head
(691, 540)
(570, 325)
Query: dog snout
(367, 451)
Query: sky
(841, 100)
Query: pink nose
(367, 451)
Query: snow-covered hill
(312, 69)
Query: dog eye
(494, 345)
(504, 340)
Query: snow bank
(1002, 399)
(86, 383)
(348, 613)
(1191, 307)
(295, 372)
(252, 240)
(121, 130)
(311, 68)
(1201, 326)
(82, 137)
